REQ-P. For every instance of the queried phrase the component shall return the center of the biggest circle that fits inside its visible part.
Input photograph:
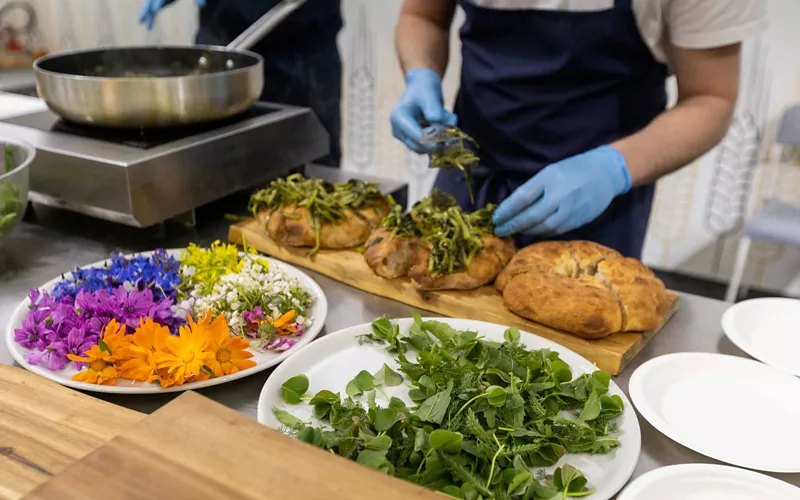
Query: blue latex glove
(151, 8)
(422, 100)
(565, 195)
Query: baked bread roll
(483, 269)
(583, 288)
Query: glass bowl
(16, 158)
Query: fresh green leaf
(103, 346)
(592, 408)
(417, 395)
(294, 388)
(512, 336)
(388, 377)
(310, 435)
(386, 418)
(496, 395)
(374, 459)
(520, 479)
(286, 418)
(364, 381)
(324, 396)
(379, 443)
(352, 388)
(561, 371)
(447, 441)
(434, 408)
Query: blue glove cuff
(618, 170)
(423, 75)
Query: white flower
(188, 270)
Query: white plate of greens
(431, 415)
(707, 482)
(731, 409)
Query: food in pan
(439, 246)
(583, 288)
(302, 212)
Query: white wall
(698, 211)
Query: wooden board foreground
(194, 448)
(612, 353)
(45, 427)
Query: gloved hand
(151, 8)
(422, 100)
(565, 195)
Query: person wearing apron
(302, 65)
(568, 107)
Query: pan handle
(265, 24)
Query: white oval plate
(264, 360)
(707, 482)
(767, 329)
(332, 361)
(732, 409)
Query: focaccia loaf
(583, 288)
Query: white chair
(777, 221)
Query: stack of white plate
(732, 409)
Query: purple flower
(54, 359)
(32, 335)
(77, 343)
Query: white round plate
(333, 360)
(707, 482)
(264, 360)
(767, 329)
(732, 409)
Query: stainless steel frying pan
(155, 86)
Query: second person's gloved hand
(565, 195)
(422, 100)
(151, 8)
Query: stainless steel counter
(37, 252)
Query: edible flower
(185, 356)
(100, 359)
(138, 359)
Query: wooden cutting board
(195, 448)
(612, 353)
(44, 427)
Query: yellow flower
(230, 355)
(184, 356)
(100, 370)
(101, 358)
(137, 361)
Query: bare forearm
(676, 138)
(422, 36)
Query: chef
(302, 66)
(567, 101)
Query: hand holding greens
(484, 415)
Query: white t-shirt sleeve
(698, 24)
(705, 24)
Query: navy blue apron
(539, 86)
(302, 65)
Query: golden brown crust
(642, 296)
(540, 274)
(583, 306)
(542, 256)
(483, 269)
(389, 256)
(291, 225)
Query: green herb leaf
(388, 377)
(592, 408)
(386, 418)
(324, 396)
(512, 336)
(496, 396)
(287, 419)
(294, 388)
(447, 441)
(434, 408)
